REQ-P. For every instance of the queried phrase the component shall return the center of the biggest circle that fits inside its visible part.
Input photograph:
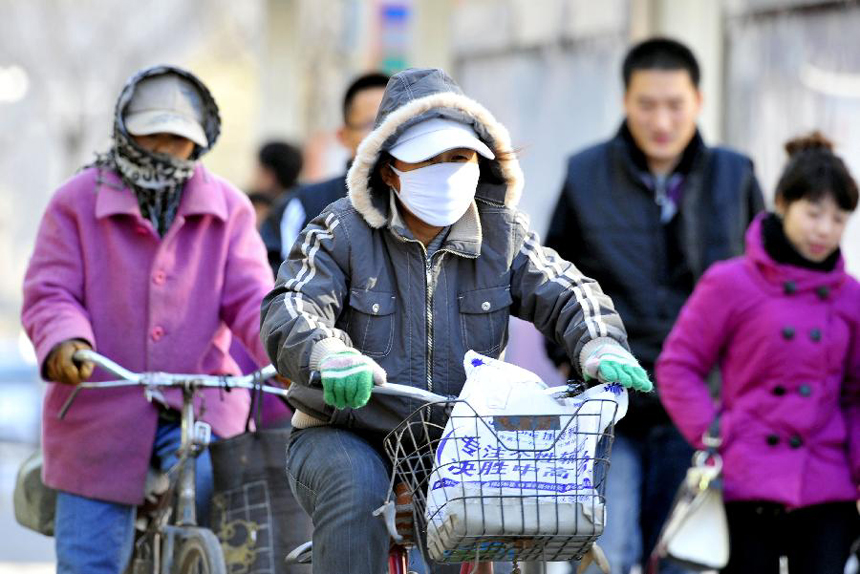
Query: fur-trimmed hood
(413, 96)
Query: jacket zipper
(428, 310)
(428, 303)
(428, 277)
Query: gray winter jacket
(356, 276)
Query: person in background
(277, 170)
(292, 214)
(645, 213)
(783, 324)
(262, 204)
(153, 261)
(274, 182)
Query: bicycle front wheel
(199, 552)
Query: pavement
(21, 551)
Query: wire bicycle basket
(505, 487)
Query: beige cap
(166, 104)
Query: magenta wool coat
(787, 341)
(101, 273)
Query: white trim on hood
(358, 177)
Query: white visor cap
(166, 104)
(432, 137)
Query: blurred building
(548, 69)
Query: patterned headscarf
(156, 179)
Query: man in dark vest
(644, 214)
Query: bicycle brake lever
(388, 512)
(66, 405)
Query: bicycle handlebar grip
(106, 364)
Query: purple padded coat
(100, 272)
(787, 341)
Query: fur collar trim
(358, 177)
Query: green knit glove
(612, 363)
(347, 378)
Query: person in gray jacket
(425, 259)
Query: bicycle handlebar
(409, 392)
(171, 379)
(155, 379)
(430, 397)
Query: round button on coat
(779, 390)
(157, 333)
(795, 442)
(375, 308)
(815, 335)
(823, 292)
(485, 305)
(804, 390)
(788, 333)
(772, 439)
(789, 287)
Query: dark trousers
(816, 539)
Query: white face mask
(439, 194)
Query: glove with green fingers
(348, 377)
(612, 363)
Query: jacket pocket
(484, 319)
(371, 321)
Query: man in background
(277, 170)
(274, 180)
(644, 214)
(290, 215)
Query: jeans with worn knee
(339, 479)
(644, 475)
(96, 537)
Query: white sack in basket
(491, 479)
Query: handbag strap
(255, 410)
(712, 441)
(711, 437)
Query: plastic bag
(516, 462)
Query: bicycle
(173, 542)
(428, 450)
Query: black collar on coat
(638, 163)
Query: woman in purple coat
(153, 261)
(783, 324)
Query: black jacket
(314, 198)
(608, 224)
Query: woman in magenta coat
(153, 261)
(783, 324)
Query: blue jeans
(340, 479)
(97, 537)
(645, 473)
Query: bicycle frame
(184, 535)
(186, 508)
